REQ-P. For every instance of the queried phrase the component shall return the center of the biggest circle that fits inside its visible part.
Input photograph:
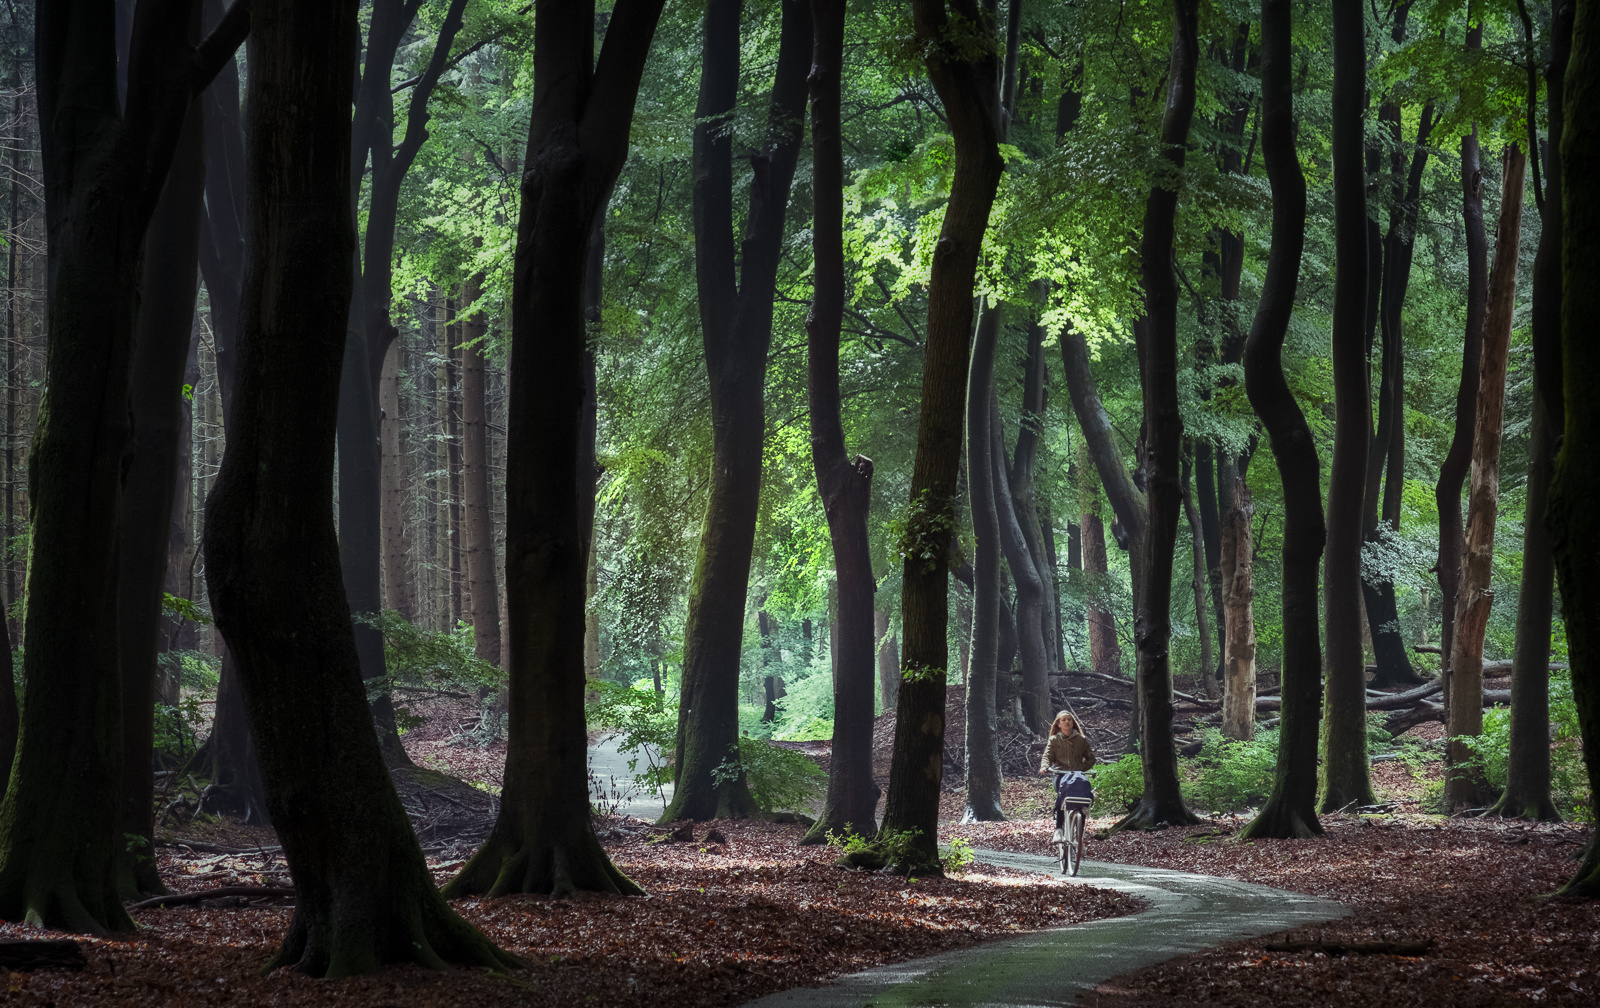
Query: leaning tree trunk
(736, 329)
(1162, 802)
(1345, 777)
(1238, 591)
(843, 484)
(1573, 519)
(104, 169)
(1527, 793)
(1453, 470)
(1290, 810)
(542, 840)
(982, 757)
(1465, 786)
(364, 896)
(965, 81)
(155, 399)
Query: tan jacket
(1066, 752)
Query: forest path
(1187, 912)
(611, 783)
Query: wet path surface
(1186, 912)
(613, 786)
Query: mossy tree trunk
(965, 77)
(1290, 810)
(543, 841)
(105, 167)
(364, 896)
(736, 328)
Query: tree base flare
(1535, 808)
(543, 866)
(1151, 815)
(1279, 822)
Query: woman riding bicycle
(1067, 755)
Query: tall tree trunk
(1198, 581)
(965, 82)
(843, 484)
(1572, 517)
(982, 756)
(1163, 425)
(1453, 470)
(542, 840)
(475, 486)
(1105, 652)
(104, 170)
(1032, 598)
(1210, 539)
(364, 896)
(1238, 592)
(1025, 502)
(399, 583)
(736, 328)
(1290, 810)
(588, 459)
(1527, 793)
(1345, 777)
(888, 658)
(1474, 595)
(155, 399)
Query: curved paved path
(1187, 912)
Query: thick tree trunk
(1474, 595)
(542, 840)
(1238, 591)
(1527, 793)
(1162, 802)
(1573, 519)
(364, 896)
(484, 595)
(1453, 470)
(982, 757)
(736, 328)
(1290, 810)
(843, 484)
(155, 399)
(888, 659)
(1345, 777)
(104, 170)
(1032, 595)
(965, 82)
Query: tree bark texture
(736, 329)
(364, 896)
(888, 658)
(1105, 651)
(1025, 504)
(543, 841)
(1345, 777)
(982, 756)
(1475, 592)
(844, 484)
(1453, 470)
(1572, 517)
(1199, 581)
(481, 580)
(1032, 594)
(1238, 593)
(104, 168)
(1527, 793)
(155, 395)
(1163, 425)
(1290, 810)
(965, 78)
(399, 580)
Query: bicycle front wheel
(1072, 849)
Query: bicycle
(1070, 848)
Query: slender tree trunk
(543, 840)
(1453, 470)
(1527, 793)
(1025, 504)
(1474, 594)
(888, 658)
(736, 327)
(1238, 591)
(1105, 652)
(1345, 777)
(982, 756)
(475, 488)
(1198, 581)
(1032, 599)
(400, 585)
(1572, 517)
(965, 82)
(1290, 810)
(1163, 425)
(364, 896)
(843, 484)
(161, 349)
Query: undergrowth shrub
(1117, 786)
(1233, 775)
(1569, 784)
(646, 722)
(779, 779)
(422, 663)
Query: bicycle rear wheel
(1072, 849)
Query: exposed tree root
(545, 865)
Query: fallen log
(183, 899)
(1401, 720)
(201, 847)
(25, 954)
